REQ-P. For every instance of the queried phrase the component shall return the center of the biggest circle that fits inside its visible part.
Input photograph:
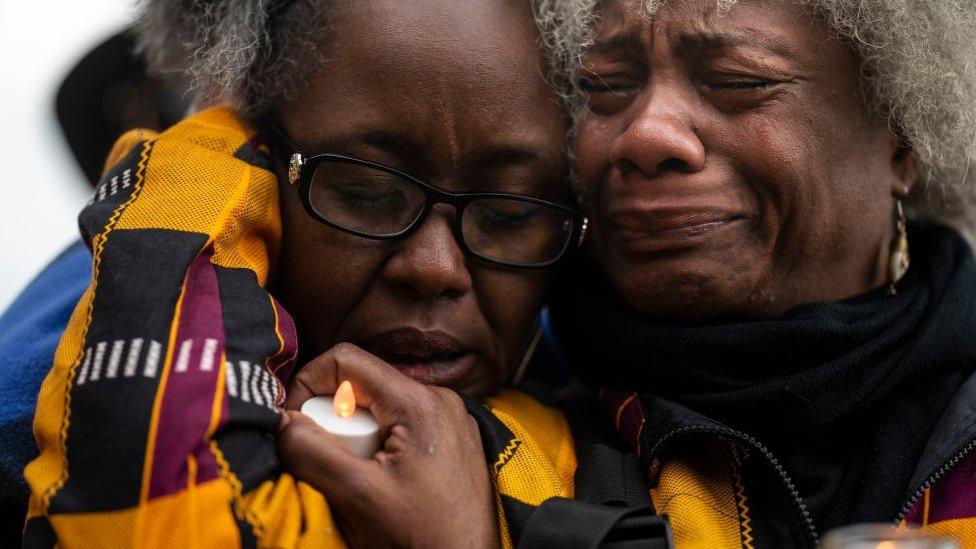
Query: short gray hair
(918, 69)
(252, 53)
(237, 52)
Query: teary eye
(742, 85)
(609, 93)
(609, 84)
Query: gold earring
(899, 261)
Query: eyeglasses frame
(301, 171)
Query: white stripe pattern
(83, 376)
(132, 360)
(267, 380)
(207, 359)
(183, 358)
(253, 384)
(256, 378)
(245, 381)
(114, 358)
(278, 390)
(96, 370)
(248, 381)
(152, 359)
(231, 380)
(95, 358)
(103, 361)
(112, 187)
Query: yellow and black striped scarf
(154, 423)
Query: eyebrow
(702, 39)
(503, 155)
(628, 40)
(403, 146)
(393, 142)
(711, 40)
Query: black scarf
(846, 393)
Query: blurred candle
(354, 428)
(884, 536)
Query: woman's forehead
(433, 74)
(394, 34)
(773, 25)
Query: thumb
(314, 456)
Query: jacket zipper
(798, 505)
(933, 478)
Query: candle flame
(344, 400)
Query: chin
(680, 294)
(714, 279)
(481, 388)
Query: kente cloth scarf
(845, 394)
(155, 423)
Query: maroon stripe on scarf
(188, 399)
(952, 497)
(627, 414)
(283, 363)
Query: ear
(904, 166)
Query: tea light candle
(355, 428)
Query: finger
(381, 388)
(317, 377)
(320, 376)
(314, 456)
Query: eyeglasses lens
(364, 199)
(380, 204)
(516, 232)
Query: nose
(430, 263)
(661, 137)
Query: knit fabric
(154, 423)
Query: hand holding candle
(353, 427)
(432, 455)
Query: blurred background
(70, 85)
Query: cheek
(779, 168)
(322, 274)
(808, 175)
(510, 301)
(592, 156)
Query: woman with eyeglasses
(440, 278)
(392, 177)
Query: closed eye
(611, 84)
(743, 85)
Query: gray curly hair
(918, 69)
(247, 54)
(251, 53)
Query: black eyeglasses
(379, 202)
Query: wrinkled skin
(428, 486)
(729, 164)
(452, 93)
